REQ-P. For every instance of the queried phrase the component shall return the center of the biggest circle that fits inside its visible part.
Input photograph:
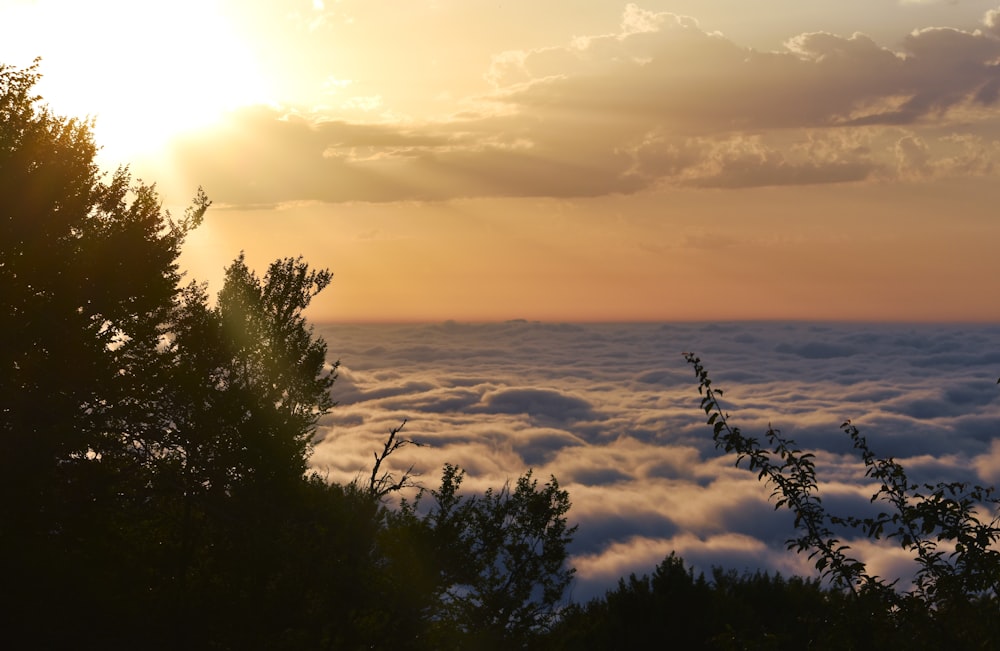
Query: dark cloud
(543, 404)
(597, 532)
(816, 350)
(951, 402)
(539, 447)
(661, 377)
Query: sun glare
(146, 71)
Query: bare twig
(381, 485)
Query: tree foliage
(494, 563)
(951, 529)
(154, 480)
(88, 270)
(262, 380)
(673, 608)
(88, 277)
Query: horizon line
(776, 320)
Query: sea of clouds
(612, 411)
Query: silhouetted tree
(246, 385)
(153, 484)
(952, 530)
(251, 380)
(497, 561)
(88, 277)
(146, 433)
(673, 608)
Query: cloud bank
(612, 412)
(657, 101)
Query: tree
(146, 433)
(498, 560)
(673, 608)
(88, 271)
(153, 477)
(252, 379)
(88, 277)
(951, 528)
(248, 381)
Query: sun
(146, 71)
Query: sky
(562, 161)
(612, 411)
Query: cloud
(542, 404)
(816, 350)
(612, 412)
(681, 77)
(988, 465)
(349, 391)
(657, 101)
(538, 447)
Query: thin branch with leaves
(794, 480)
(952, 528)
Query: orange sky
(560, 161)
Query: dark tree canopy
(129, 408)
(496, 562)
(262, 380)
(88, 271)
(154, 480)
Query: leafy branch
(792, 473)
(942, 524)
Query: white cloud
(988, 465)
(619, 425)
